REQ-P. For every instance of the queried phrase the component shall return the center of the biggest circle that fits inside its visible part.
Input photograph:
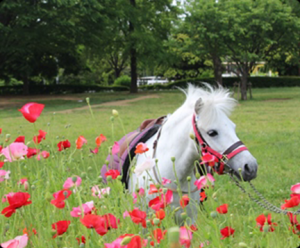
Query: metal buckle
(224, 159)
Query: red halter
(222, 158)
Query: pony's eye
(212, 133)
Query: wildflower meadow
(52, 194)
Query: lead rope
(263, 202)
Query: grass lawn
(269, 125)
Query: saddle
(121, 160)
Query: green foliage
(123, 81)
(59, 89)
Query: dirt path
(108, 104)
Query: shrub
(123, 81)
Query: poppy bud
(90, 168)
(188, 178)
(213, 214)
(197, 175)
(192, 136)
(74, 179)
(65, 193)
(173, 159)
(32, 187)
(156, 221)
(112, 118)
(87, 100)
(100, 179)
(126, 241)
(119, 177)
(6, 227)
(83, 175)
(115, 113)
(183, 216)
(48, 196)
(173, 235)
(242, 244)
(109, 178)
(81, 245)
(266, 228)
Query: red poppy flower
(294, 222)
(0, 130)
(111, 221)
(203, 196)
(161, 201)
(136, 242)
(1, 148)
(31, 152)
(158, 235)
(153, 189)
(184, 201)
(95, 221)
(100, 139)
(194, 228)
(81, 240)
(60, 227)
(80, 142)
(113, 173)
(141, 148)
(160, 214)
(20, 139)
(223, 209)
(31, 111)
(42, 135)
(293, 202)
(95, 151)
(226, 232)
(16, 201)
(59, 198)
(296, 195)
(63, 145)
(1, 163)
(261, 220)
(138, 216)
(209, 159)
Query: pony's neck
(175, 142)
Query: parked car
(151, 80)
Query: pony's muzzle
(249, 170)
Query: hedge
(58, 89)
(257, 82)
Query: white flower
(148, 164)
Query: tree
(144, 25)
(251, 30)
(204, 24)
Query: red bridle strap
(233, 150)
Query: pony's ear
(198, 105)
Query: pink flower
(161, 201)
(15, 151)
(165, 181)
(44, 154)
(135, 242)
(296, 188)
(141, 193)
(202, 182)
(71, 182)
(31, 111)
(115, 149)
(4, 175)
(185, 237)
(126, 214)
(24, 181)
(4, 198)
(42, 135)
(17, 242)
(209, 159)
(100, 192)
(86, 208)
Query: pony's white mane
(214, 100)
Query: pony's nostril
(247, 169)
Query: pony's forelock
(215, 101)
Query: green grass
(269, 126)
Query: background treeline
(86, 44)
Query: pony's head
(212, 108)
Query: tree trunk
(25, 86)
(244, 82)
(218, 69)
(133, 59)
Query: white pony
(211, 108)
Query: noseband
(222, 159)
